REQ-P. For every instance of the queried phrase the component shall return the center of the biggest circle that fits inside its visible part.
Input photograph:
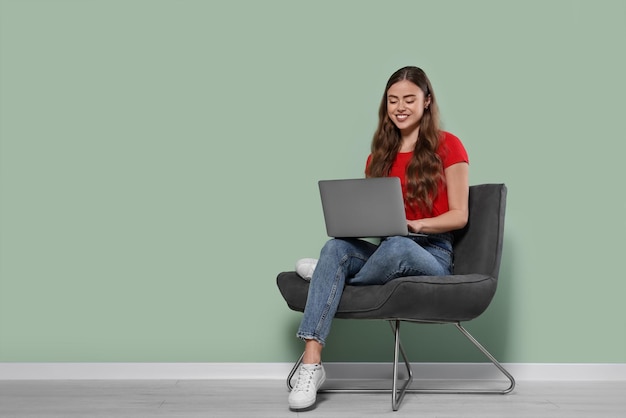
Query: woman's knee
(333, 246)
(339, 247)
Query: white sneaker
(310, 378)
(305, 267)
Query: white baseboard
(279, 371)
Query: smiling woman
(433, 169)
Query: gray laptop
(364, 208)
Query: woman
(433, 169)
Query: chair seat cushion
(419, 298)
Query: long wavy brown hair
(425, 170)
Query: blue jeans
(358, 262)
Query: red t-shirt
(451, 151)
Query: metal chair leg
(398, 394)
(491, 358)
(397, 397)
(474, 391)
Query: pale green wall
(159, 162)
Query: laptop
(364, 208)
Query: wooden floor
(268, 398)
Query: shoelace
(305, 377)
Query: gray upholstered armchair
(430, 299)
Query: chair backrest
(478, 246)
